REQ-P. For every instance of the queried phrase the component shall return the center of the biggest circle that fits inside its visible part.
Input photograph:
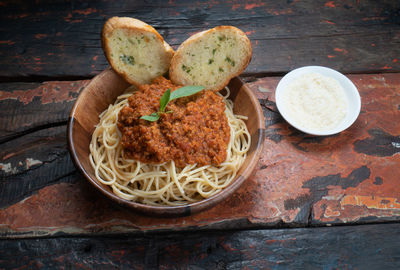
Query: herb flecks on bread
(135, 50)
(211, 58)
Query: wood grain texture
(345, 247)
(32, 162)
(301, 180)
(62, 40)
(27, 107)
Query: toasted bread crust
(133, 26)
(178, 76)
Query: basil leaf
(165, 99)
(152, 117)
(168, 96)
(186, 91)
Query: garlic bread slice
(135, 50)
(211, 58)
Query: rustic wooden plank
(32, 162)
(33, 142)
(26, 107)
(345, 247)
(61, 40)
(301, 180)
(366, 193)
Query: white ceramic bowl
(351, 93)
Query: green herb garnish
(127, 59)
(168, 96)
(185, 68)
(222, 38)
(230, 61)
(152, 117)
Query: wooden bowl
(105, 88)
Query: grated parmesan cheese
(316, 102)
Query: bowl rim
(341, 78)
(181, 210)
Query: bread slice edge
(174, 71)
(131, 24)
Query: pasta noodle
(162, 184)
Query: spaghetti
(162, 184)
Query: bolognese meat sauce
(195, 131)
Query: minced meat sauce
(196, 131)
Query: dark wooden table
(314, 202)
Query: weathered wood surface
(345, 247)
(40, 41)
(301, 180)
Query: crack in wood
(279, 249)
(9, 138)
(19, 194)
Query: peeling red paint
(203, 256)
(344, 51)
(8, 42)
(387, 67)
(235, 6)
(18, 16)
(173, 13)
(85, 11)
(376, 202)
(118, 253)
(68, 18)
(279, 12)
(281, 241)
(374, 19)
(228, 247)
(49, 92)
(394, 60)
(8, 156)
(210, 3)
(329, 22)
(331, 56)
(329, 212)
(250, 32)
(40, 36)
(251, 6)
(372, 44)
(330, 4)
(95, 58)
